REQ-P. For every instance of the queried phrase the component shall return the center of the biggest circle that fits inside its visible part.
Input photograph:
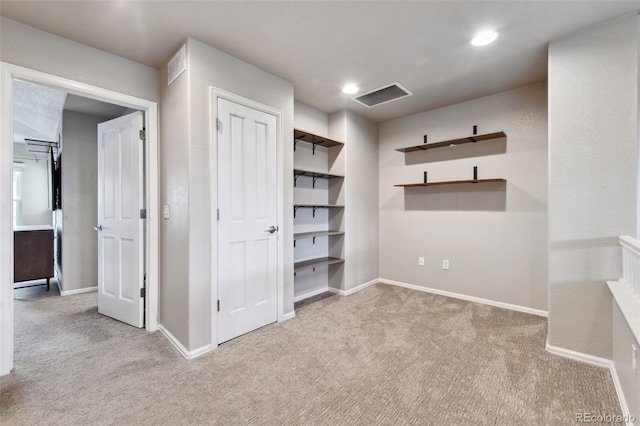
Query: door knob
(271, 229)
(98, 228)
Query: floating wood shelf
(314, 207)
(300, 172)
(450, 182)
(315, 140)
(315, 175)
(314, 263)
(301, 135)
(302, 235)
(469, 139)
(317, 206)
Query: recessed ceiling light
(485, 37)
(350, 89)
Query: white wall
(174, 191)
(310, 119)
(35, 187)
(79, 200)
(362, 211)
(593, 172)
(494, 236)
(337, 159)
(360, 163)
(41, 51)
(187, 185)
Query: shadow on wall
(490, 196)
(456, 152)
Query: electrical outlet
(421, 261)
(445, 265)
(634, 357)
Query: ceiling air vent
(389, 93)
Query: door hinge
(218, 305)
(143, 213)
(218, 214)
(143, 135)
(143, 292)
(218, 125)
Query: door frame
(9, 73)
(214, 95)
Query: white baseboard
(355, 289)
(623, 401)
(474, 299)
(184, 351)
(336, 291)
(579, 356)
(599, 362)
(78, 291)
(311, 294)
(289, 315)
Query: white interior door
(120, 228)
(247, 201)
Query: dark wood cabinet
(32, 254)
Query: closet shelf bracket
(313, 150)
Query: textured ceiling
(37, 111)
(320, 45)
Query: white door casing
(10, 72)
(120, 228)
(247, 225)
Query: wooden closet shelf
(314, 207)
(315, 175)
(468, 139)
(302, 235)
(318, 206)
(450, 182)
(314, 263)
(301, 135)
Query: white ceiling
(93, 107)
(321, 45)
(37, 111)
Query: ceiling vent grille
(384, 95)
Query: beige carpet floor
(385, 355)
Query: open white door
(120, 228)
(247, 198)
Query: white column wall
(593, 173)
